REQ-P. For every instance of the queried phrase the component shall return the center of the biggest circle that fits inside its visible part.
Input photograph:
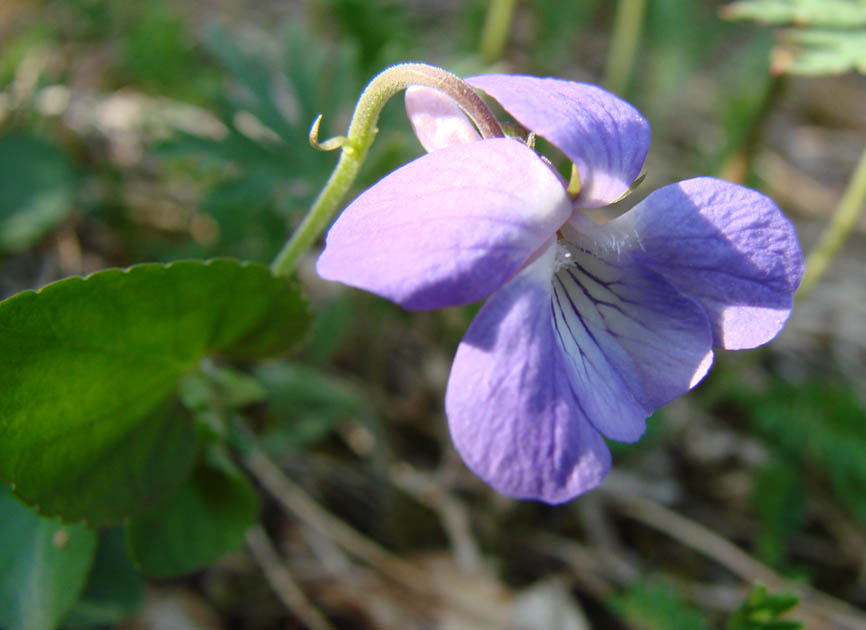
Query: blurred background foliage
(142, 131)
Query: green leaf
(37, 190)
(557, 25)
(221, 390)
(89, 424)
(114, 587)
(818, 424)
(263, 169)
(214, 395)
(43, 564)
(822, 13)
(155, 51)
(779, 501)
(307, 405)
(761, 611)
(381, 29)
(235, 389)
(656, 605)
(829, 38)
(820, 52)
(204, 519)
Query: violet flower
(589, 327)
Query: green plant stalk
(497, 25)
(362, 131)
(627, 25)
(738, 165)
(841, 224)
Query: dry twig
(452, 514)
(281, 580)
(700, 538)
(297, 502)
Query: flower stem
(497, 25)
(359, 138)
(841, 224)
(627, 25)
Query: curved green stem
(841, 224)
(362, 132)
(497, 25)
(627, 25)
(320, 213)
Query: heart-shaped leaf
(206, 517)
(89, 426)
(43, 564)
(114, 588)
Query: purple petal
(512, 413)
(448, 228)
(437, 120)
(605, 137)
(633, 341)
(727, 246)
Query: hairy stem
(623, 44)
(841, 224)
(362, 131)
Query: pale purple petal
(437, 120)
(605, 137)
(448, 228)
(512, 412)
(727, 246)
(633, 341)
